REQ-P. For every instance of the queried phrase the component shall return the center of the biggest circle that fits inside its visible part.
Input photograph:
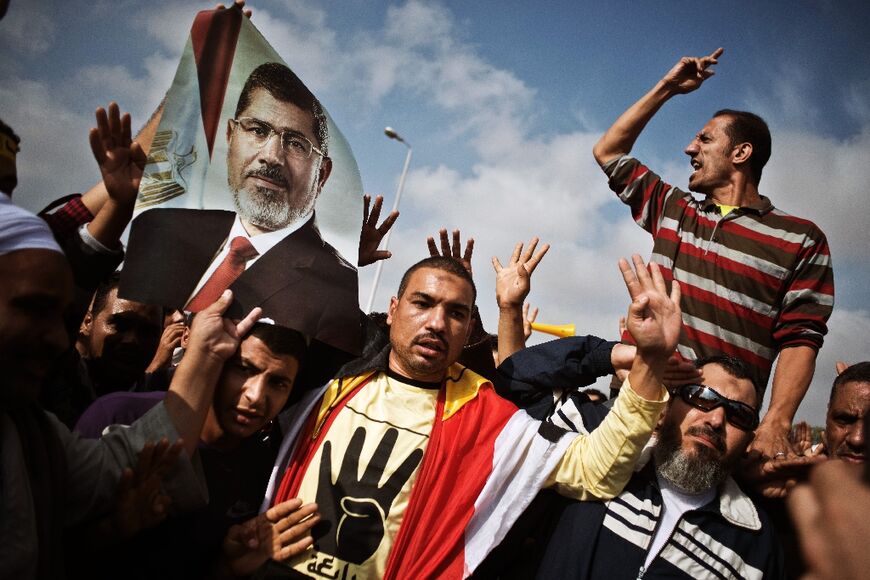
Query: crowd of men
(195, 437)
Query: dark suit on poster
(302, 282)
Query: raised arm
(121, 162)
(599, 465)
(97, 196)
(213, 340)
(371, 233)
(654, 321)
(512, 286)
(686, 76)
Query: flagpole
(392, 134)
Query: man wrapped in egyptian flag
(419, 468)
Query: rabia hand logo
(354, 509)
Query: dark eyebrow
(458, 305)
(296, 132)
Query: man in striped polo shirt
(757, 282)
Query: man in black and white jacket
(681, 514)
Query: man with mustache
(269, 251)
(759, 283)
(681, 515)
(418, 467)
(848, 409)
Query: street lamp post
(392, 134)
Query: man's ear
(229, 130)
(394, 303)
(87, 324)
(741, 153)
(185, 336)
(323, 173)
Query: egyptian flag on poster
(304, 278)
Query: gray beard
(691, 474)
(265, 209)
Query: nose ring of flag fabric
(231, 268)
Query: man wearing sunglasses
(269, 251)
(681, 514)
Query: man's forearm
(109, 223)
(794, 372)
(511, 337)
(621, 136)
(646, 375)
(190, 396)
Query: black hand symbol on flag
(354, 511)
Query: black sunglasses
(706, 398)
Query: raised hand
(371, 234)
(528, 319)
(654, 318)
(218, 337)
(355, 508)
(282, 532)
(141, 503)
(688, 74)
(680, 372)
(513, 282)
(776, 477)
(169, 341)
(452, 252)
(801, 437)
(121, 159)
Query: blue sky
(502, 102)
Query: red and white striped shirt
(753, 282)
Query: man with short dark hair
(237, 451)
(758, 282)
(418, 467)
(117, 339)
(848, 409)
(269, 251)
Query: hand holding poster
(249, 186)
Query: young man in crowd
(238, 444)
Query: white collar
(266, 241)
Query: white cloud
(28, 29)
(55, 157)
(825, 180)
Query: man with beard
(269, 252)
(681, 515)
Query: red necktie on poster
(231, 268)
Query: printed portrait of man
(269, 251)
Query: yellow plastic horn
(562, 330)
